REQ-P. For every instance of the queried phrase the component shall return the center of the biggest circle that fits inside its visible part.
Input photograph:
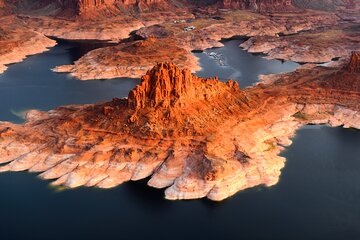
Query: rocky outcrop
(132, 59)
(85, 7)
(315, 46)
(354, 64)
(18, 41)
(195, 137)
(6, 8)
(327, 4)
(258, 5)
(129, 59)
(165, 85)
(90, 8)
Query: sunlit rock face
(196, 137)
(88, 7)
(85, 8)
(138, 5)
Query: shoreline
(200, 156)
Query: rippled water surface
(318, 196)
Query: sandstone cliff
(327, 4)
(89, 8)
(17, 41)
(86, 7)
(163, 86)
(258, 5)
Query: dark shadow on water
(80, 47)
(140, 191)
(236, 37)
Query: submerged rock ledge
(195, 137)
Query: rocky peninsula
(17, 41)
(195, 137)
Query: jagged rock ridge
(163, 85)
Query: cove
(32, 85)
(237, 64)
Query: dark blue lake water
(32, 85)
(318, 196)
(232, 62)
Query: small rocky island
(195, 137)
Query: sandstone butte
(195, 137)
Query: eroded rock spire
(164, 85)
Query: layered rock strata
(89, 9)
(195, 137)
(315, 46)
(129, 60)
(115, 20)
(84, 6)
(17, 41)
(117, 62)
(327, 5)
(258, 5)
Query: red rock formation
(17, 41)
(354, 64)
(167, 89)
(196, 137)
(5, 8)
(258, 5)
(327, 4)
(88, 7)
(163, 86)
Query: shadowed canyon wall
(84, 7)
(107, 7)
(327, 4)
(258, 5)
